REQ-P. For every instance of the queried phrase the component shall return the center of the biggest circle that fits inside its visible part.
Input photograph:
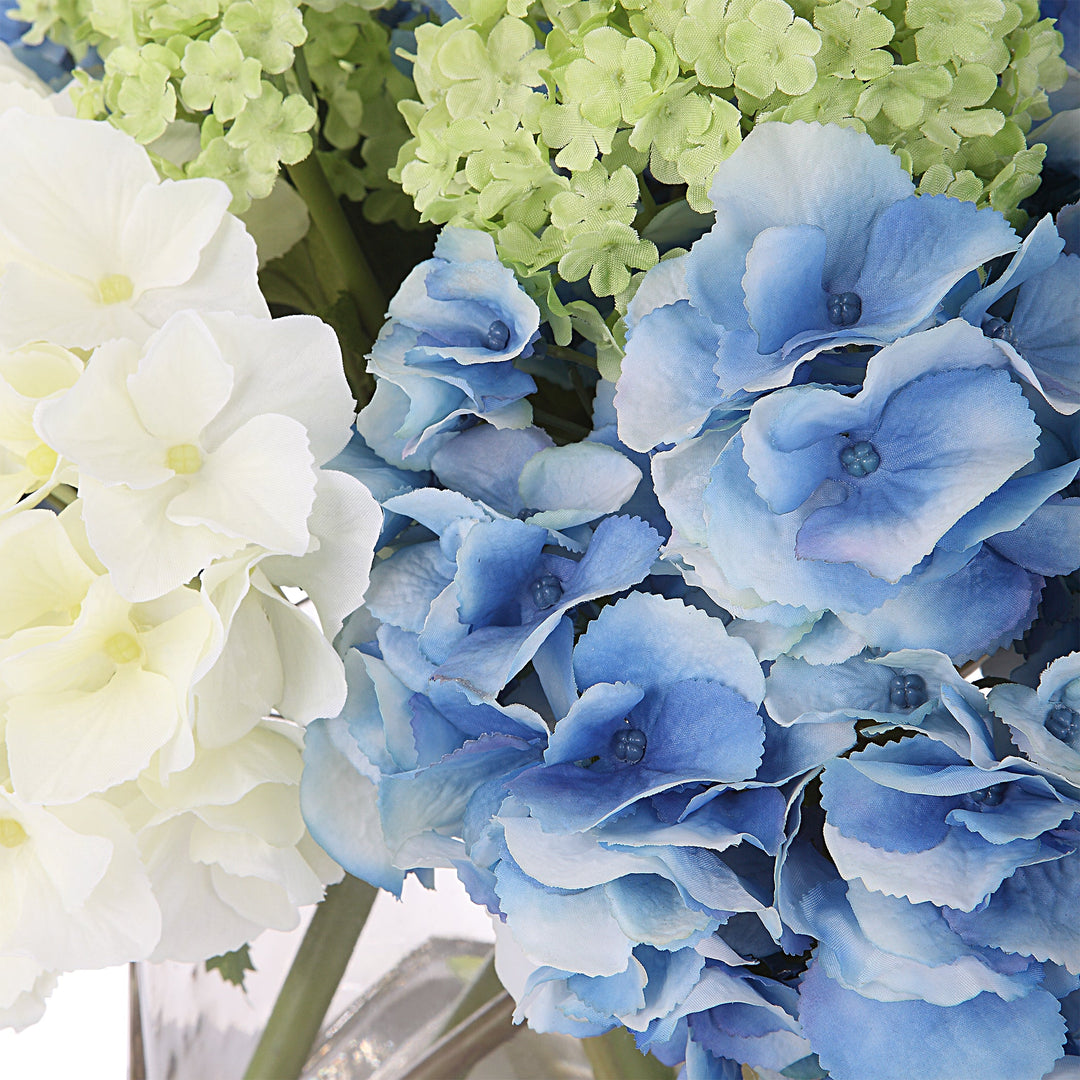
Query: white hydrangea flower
(274, 657)
(29, 467)
(95, 245)
(24, 986)
(92, 686)
(226, 846)
(206, 441)
(76, 894)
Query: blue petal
(484, 463)
(989, 600)
(651, 641)
(1048, 543)
(845, 180)
(1038, 252)
(668, 401)
(936, 464)
(1046, 324)
(919, 248)
(1008, 507)
(338, 801)
(783, 284)
(1032, 913)
(734, 511)
(897, 1040)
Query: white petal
(95, 424)
(168, 226)
(258, 485)
(69, 187)
(346, 520)
(290, 366)
(226, 280)
(182, 382)
(64, 746)
(166, 555)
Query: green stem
(557, 423)
(301, 1006)
(303, 76)
(615, 1057)
(484, 986)
(454, 1055)
(561, 352)
(310, 181)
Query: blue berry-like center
(1062, 722)
(860, 459)
(908, 691)
(497, 336)
(999, 328)
(546, 591)
(628, 744)
(987, 796)
(845, 309)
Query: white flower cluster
(153, 676)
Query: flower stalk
(312, 980)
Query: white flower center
(122, 648)
(12, 834)
(184, 458)
(115, 288)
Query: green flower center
(41, 460)
(184, 458)
(115, 288)
(12, 834)
(122, 648)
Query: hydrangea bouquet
(622, 451)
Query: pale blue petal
(985, 1037)
(918, 250)
(484, 463)
(667, 387)
(338, 800)
(652, 642)
(962, 615)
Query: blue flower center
(628, 744)
(859, 459)
(908, 691)
(999, 328)
(497, 336)
(546, 591)
(987, 796)
(845, 309)
(1062, 722)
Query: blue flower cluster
(680, 701)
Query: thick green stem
(454, 1055)
(310, 181)
(615, 1057)
(561, 352)
(305, 996)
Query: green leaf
(232, 965)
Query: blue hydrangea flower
(667, 699)
(1033, 309)
(901, 558)
(917, 820)
(898, 974)
(445, 356)
(790, 269)
(1045, 722)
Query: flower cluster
(679, 700)
(164, 453)
(559, 130)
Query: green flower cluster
(555, 125)
(223, 65)
(349, 61)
